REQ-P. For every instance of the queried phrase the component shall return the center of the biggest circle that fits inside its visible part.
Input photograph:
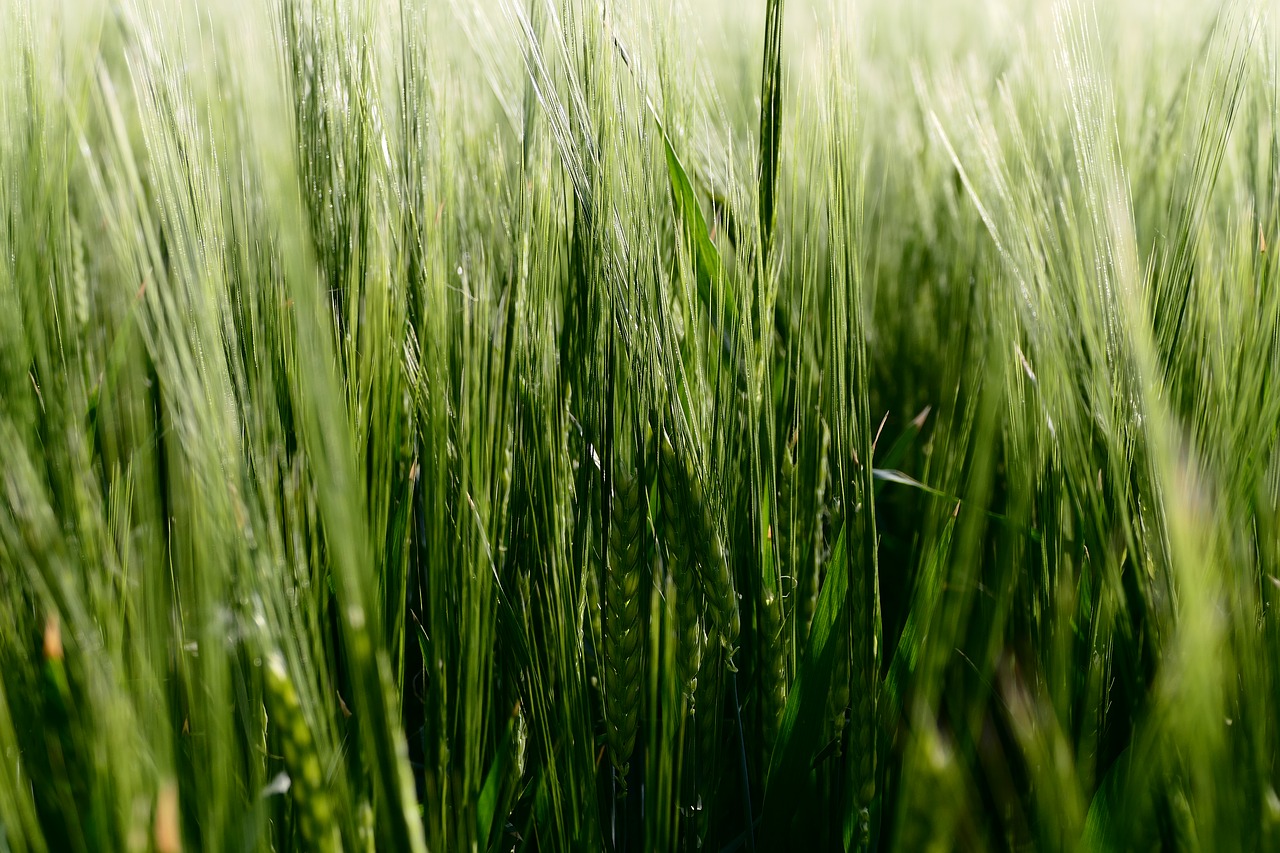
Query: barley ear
(677, 539)
(773, 674)
(316, 822)
(697, 542)
(809, 574)
(622, 635)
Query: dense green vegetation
(558, 425)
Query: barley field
(639, 425)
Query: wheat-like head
(624, 659)
(316, 823)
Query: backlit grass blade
(770, 121)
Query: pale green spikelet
(79, 278)
(315, 816)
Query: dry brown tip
(168, 836)
(52, 638)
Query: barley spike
(316, 822)
(622, 635)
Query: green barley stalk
(709, 735)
